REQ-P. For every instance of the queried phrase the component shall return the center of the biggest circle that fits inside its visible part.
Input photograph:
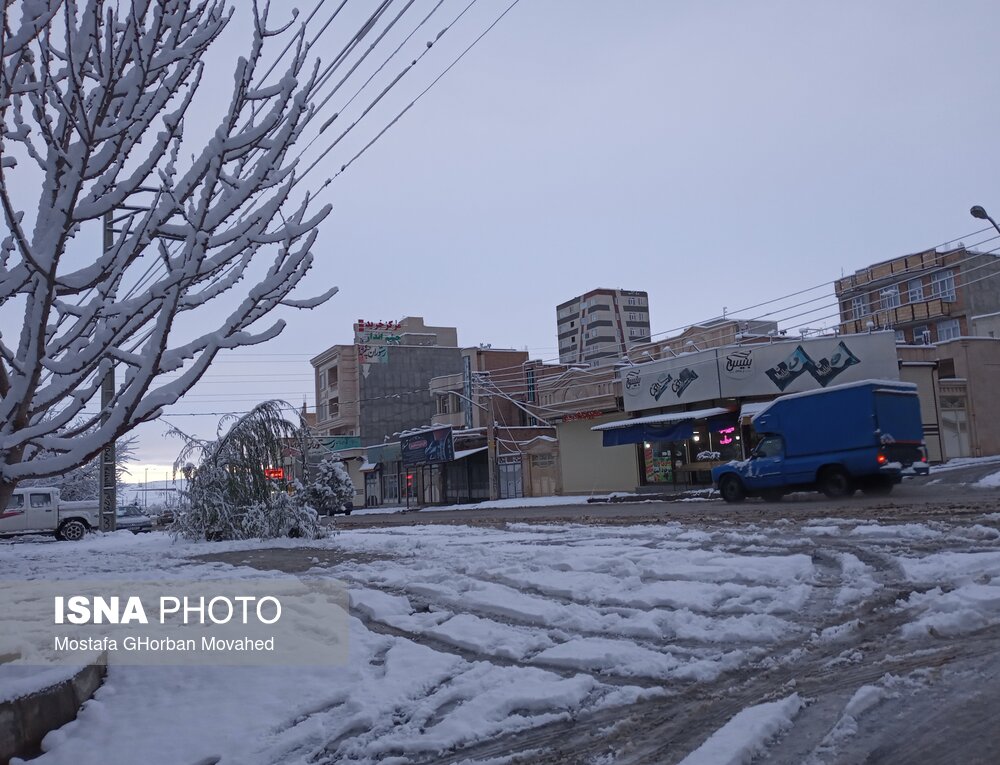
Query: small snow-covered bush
(284, 516)
(332, 488)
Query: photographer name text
(166, 644)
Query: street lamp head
(979, 212)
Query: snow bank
(747, 734)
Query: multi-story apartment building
(380, 384)
(600, 326)
(927, 297)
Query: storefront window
(727, 443)
(658, 462)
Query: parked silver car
(131, 518)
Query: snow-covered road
(565, 643)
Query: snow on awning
(460, 455)
(367, 467)
(752, 409)
(672, 427)
(663, 419)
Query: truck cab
(41, 510)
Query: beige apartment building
(926, 297)
(598, 327)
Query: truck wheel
(835, 483)
(772, 495)
(72, 531)
(731, 489)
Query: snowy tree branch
(97, 96)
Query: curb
(26, 720)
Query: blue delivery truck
(835, 440)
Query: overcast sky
(714, 154)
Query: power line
(516, 369)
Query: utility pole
(107, 488)
(491, 447)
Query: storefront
(693, 412)
(678, 449)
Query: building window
(922, 335)
(333, 408)
(948, 330)
(631, 332)
(900, 337)
(916, 291)
(631, 301)
(889, 297)
(631, 317)
(322, 378)
(859, 306)
(943, 285)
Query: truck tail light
(881, 459)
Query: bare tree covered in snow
(94, 96)
(83, 482)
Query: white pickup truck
(39, 510)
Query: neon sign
(727, 437)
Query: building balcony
(447, 383)
(891, 269)
(455, 419)
(908, 313)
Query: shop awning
(461, 455)
(367, 467)
(673, 426)
(751, 410)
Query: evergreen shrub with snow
(331, 489)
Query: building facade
(600, 326)
(960, 380)
(379, 385)
(499, 385)
(927, 297)
(461, 397)
(710, 334)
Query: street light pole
(979, 212)
(491, 449)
